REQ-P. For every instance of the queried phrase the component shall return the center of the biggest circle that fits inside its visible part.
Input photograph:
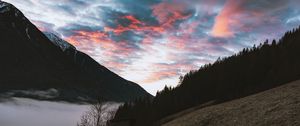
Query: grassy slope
(279, 106)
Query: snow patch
(64, 45)
(4, 7)
(27, 33)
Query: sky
(153, 42)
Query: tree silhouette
(96, 115)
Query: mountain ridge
(32, 61)
(64, 45)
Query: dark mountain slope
(95, 71)
(29, 60)
(248, 72)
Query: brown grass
(276, 107)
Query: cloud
(155, 41)
(244, 15)
(223, 21)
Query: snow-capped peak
(58, 41)
(7, 7)
(4, 7)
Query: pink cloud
(156, 76)
(135, 25)
(238, 16)
(169, 12)
(169, 71)
(133, 19)
(224, 19)
(108, 47)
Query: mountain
(250, 71)
(275, 107)
(30, 62)
(62, 44)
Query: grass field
(275, 107)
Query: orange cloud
(108, 46)
(224, 20)
(168, 70)
(156, 76)
(167, 13)
(135, 26)
(73, 40)
(115, 65)
(133, 19)
(93, 36)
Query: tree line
(252, 70)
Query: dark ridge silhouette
(30, 61)
(252, 70)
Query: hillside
(30, 62)
(275, 107)
(250, 71)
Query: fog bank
(28, 112)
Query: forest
(252, 70)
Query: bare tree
(97, 115)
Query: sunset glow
(153, 42)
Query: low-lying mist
(28, 112)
